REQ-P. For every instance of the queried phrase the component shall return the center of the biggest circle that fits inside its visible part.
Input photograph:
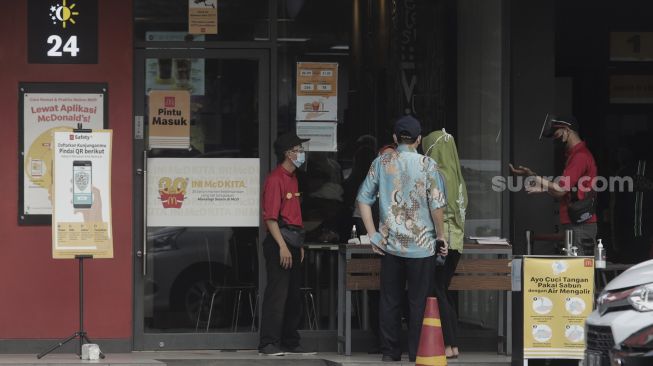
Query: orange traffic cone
(430, 351)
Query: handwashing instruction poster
(558, 297)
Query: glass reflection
(205, 279)
(201, 279)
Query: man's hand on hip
(377, 240)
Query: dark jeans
(373, 307)
(396, 273)
(446, 303)
(282, 305)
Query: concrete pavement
(238, 358)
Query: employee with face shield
(574, 188)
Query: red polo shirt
(281, 197)
(580, 163)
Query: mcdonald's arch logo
(172, 192)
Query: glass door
(197, 280)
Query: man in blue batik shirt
(411, 201)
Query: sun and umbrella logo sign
(62, 31)
(63, 13)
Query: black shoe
(388, 358)
(298, 350)
(270, 350)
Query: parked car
(186, 265)
(623, 308)
(636, 350)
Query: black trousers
(446, 303)
(396, 273)
(282, 305)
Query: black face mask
(558, 143)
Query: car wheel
(197, 305)
(191, 299)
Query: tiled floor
(206, 358)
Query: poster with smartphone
(81, 217)
(46, 108)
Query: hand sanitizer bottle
(599, 260)
(354, 235)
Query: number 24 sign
(62, 31)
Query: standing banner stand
(81, 219)
(558, 295)
(80, 333)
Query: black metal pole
(81, 332)
(81, 303)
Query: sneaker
(270, 350)
(298, 350)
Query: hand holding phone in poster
(94, 213)
(82, 183)
(86, 197)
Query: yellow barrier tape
(432, 322)
(431, 361)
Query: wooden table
(356, 273)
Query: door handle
(143, 250)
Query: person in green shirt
(441, 147)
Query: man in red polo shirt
(575, 183)
(282, 305)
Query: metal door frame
(200, 340)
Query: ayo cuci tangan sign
(62, 31)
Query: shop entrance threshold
(240, 358)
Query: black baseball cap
(408, 126)
(553, 122)
(287, 141)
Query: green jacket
(441, 147)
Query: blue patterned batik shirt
(409, 186)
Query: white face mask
(300, 160)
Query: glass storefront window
(480, 113)
(323, 204)
(199, 278)
(205, 278)
(390, 62)
(326, 22)
(238, 20)
(224, 103)
(318, 31)
(393, 58)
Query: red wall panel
(39, 295)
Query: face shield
(553, 122)
(547, 127)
